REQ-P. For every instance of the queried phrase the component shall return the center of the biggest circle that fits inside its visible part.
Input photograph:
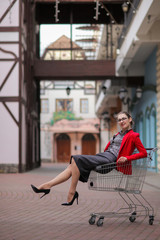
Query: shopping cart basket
(129, 186)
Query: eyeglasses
(121, 119)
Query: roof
(63, 42)
(85, 126)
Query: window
(149, 135)
(139, 125)
(42, 91)
(64, 105)
(153, 124)
(153, 135)
(147, 128)
(44, 106)
(84, 105)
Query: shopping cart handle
(152, 149)
(105, 168)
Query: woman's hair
(127, 115)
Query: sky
(51, 32)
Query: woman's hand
(122, 160)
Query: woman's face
(124, 122)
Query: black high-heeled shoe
(36, 190)
(76, 195)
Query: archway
(63, 148)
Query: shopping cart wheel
(100, 222)
(132, 218)
(92, 220)
(151, 220)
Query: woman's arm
(142, 151)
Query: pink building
(74, 137)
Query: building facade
(19, 99)
(79, 107)
(139, 56)
(60, 139)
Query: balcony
(139, 40)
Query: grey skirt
(86, 163)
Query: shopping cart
(129, 186)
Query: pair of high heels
(46, 191)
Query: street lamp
(138, 93)
(125, 7)
(68, 90)
(123, 95)
(104, 90)
(105, 116)
(125, 10)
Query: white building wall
(52, 95)
(9, 130)
(8, 137)
(11, 19)
(76, 95)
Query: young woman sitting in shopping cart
(119, 150)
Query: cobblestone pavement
(24, 216)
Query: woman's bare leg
(75, 178)
(62, 177)
(71, 170)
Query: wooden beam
(74, 69)
(71, 12)
(9, 29)
(79, 1)
(7, 10)
(9, 99)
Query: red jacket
(130, 141)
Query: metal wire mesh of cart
(110, 177)
(127, 179)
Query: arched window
(147, 128)
(141, 126)
(147, 131)
(137, 124)
(153, 127)
(153, 135)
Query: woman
(119, 150)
